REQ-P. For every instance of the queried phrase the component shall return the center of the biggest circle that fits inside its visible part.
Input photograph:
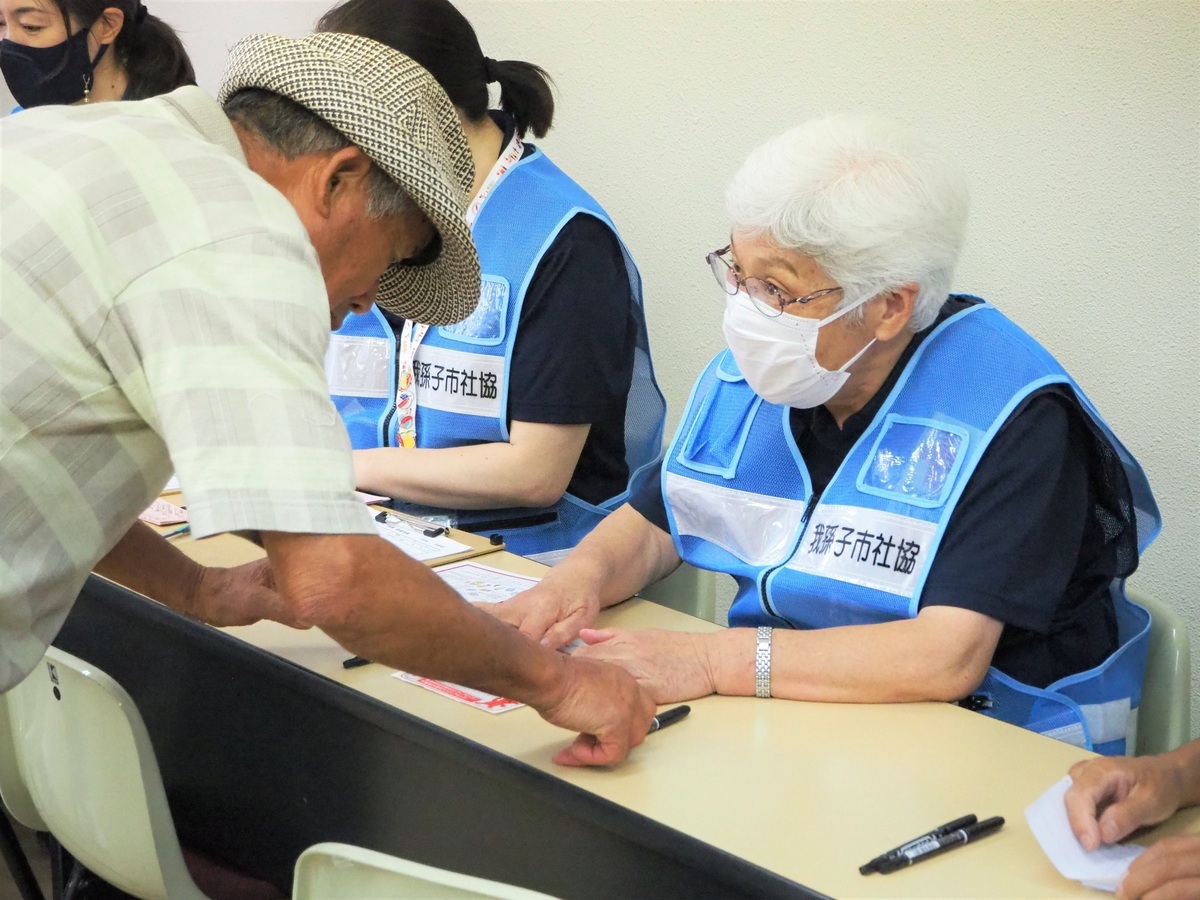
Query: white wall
(1077, 122)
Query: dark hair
(440, 38)
(293, 130)
(147, 48)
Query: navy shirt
(1022, 545)
(572, 363)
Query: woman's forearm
(532, 469)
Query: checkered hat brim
(396, 113)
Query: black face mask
(39, 76)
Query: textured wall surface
(1078, 124)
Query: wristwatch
(762, 663)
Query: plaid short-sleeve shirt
(160, 307)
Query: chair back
(342, 872)
(688, 589)
(13, 792)
(1164, 715)
(84, 755)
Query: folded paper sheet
(1103, 868)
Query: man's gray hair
(294, 131)
(873, 204)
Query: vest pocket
(487, 325)
(756, 528)
(359, 366)
(715, 441)
(914, 461)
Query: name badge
(867, 547)
(358, 366)
(454, 381)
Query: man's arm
(533, 468)
(146, 562)
(621, 555)
(387, 607)
(384, 606)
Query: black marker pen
(942, 844)
(669, 717)
(927, 837)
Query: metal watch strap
(762, 663)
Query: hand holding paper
(1112, 796)
(1102, 868)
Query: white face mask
(778, 355)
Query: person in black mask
(68, 51)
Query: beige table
(807, 790)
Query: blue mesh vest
(740, 501)
(462, 370)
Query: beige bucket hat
(396, 113)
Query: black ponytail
(440, 38)
(525, 95)
(153, 56)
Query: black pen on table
(946, 842)
(928, 836)
(669, 717)
(354, 662)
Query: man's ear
(338, 176)
(897, 311)
(107, 26)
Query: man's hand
(238, 596)
(546, 613)
(1112, 796)
(1170, 870)
(670, 665)
(607, 706)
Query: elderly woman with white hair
(917, 502)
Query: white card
(489, 703)
(411, 538)
(164, 512)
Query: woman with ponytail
(529, 418)
(71, 51)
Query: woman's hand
(670, 665)
(546, 613)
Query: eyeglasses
(769, 300)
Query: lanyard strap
(414, 332)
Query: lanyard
(414, 332)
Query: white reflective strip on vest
(458, 382)
(358, 366)
(753, 527)
(1070, 734)
(1132, 736)
(1109, 721)
(866, 547)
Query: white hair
(873, 204)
